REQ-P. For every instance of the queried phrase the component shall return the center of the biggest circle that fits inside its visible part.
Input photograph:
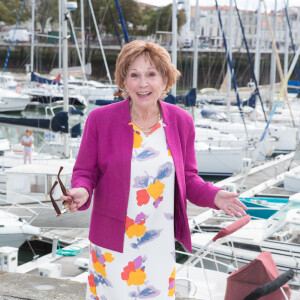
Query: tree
(46, 9)
(161, 19)
(9, 11)
(107, 16)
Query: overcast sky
(245, 4)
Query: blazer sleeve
(198, 191)
(86, 171)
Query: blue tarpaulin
(40, 79)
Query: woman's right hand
(77, 197)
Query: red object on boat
(57, 79)
(258, 272)
(232, 227)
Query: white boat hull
(14, 231)
(12, 101)
(13, 240)
(219, 161)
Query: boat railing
(36, 206)
(186, 286)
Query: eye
(152, 74)
(133, 75)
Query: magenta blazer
(103, 166)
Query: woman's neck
(144, 114)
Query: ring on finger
(229, 208)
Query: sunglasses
(64, 191)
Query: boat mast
(82, 34)
(174, 40)
(88, 29)
(286, 45)
(278, 60)
(195, 63)
(59, 34)
(273, 62)
(100, 41)
(229, 38)
(257, 44)
(195, 66)
(65, 71)
(125, 32)
(32, 34)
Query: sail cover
(40, 79)
(258, 272)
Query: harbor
(237, 85)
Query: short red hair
(154, 52)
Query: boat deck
(263, 180)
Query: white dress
(146, 268)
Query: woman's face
(144, 83)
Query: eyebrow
(147, 69)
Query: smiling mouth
(144, 94)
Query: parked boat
(12, 101)
(95, 92)
(248, 242)
(219, 138)
(30, 197)
(7, 80)
(220, 161)
(285, 138)
(14, 231)
(50, 94)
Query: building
(146, 5)
(210, 34)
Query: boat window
(244, 246)
(2, 225)
(37, 184)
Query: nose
(143, 81)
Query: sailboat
(14, 231)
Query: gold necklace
(143, 128)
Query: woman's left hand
(229, 203)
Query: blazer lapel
(126, 145)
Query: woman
(27, 142)
(138, 157)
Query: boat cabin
(31, 182)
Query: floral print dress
(146, 268)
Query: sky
(243, 4)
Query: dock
(33, 287)
(27, 284)
(15, 286)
